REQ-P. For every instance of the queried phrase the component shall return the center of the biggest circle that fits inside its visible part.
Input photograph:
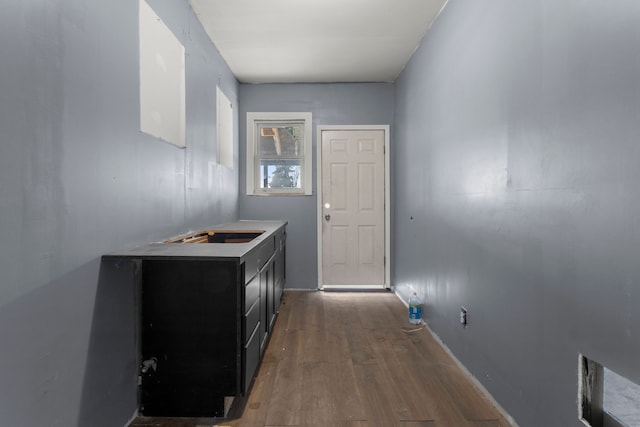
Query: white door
(352, 208)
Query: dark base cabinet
(204, 323)
(189, 330)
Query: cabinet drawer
(266, 250)
(251, 266)
(250, 320)
(258, 258)
(281, 240)
(251, 293)
(250, 358)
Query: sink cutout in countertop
(218, 236)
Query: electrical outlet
(463, 316)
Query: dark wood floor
(353, 360)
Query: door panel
(353, 207)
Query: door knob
(327, 217)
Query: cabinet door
(271, 313)
(279, 277)
(190, 337)
(264, 304)
(251, 358)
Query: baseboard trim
(133, 417)
(464, 369)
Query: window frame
(254, 119)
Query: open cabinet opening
(605, 398)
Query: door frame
(387, 202)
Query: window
(279, 153)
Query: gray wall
(331, 104)
(517, 153)
(77, 180)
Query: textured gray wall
(331, 104)
(517, 169)
(78, 179)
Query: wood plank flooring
(353, 360)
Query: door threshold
(355, 288)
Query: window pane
(280, 140)
(280, 174)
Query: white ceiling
(284, 41)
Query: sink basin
(218, 236)
(232, 236)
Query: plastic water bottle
(415, 310)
